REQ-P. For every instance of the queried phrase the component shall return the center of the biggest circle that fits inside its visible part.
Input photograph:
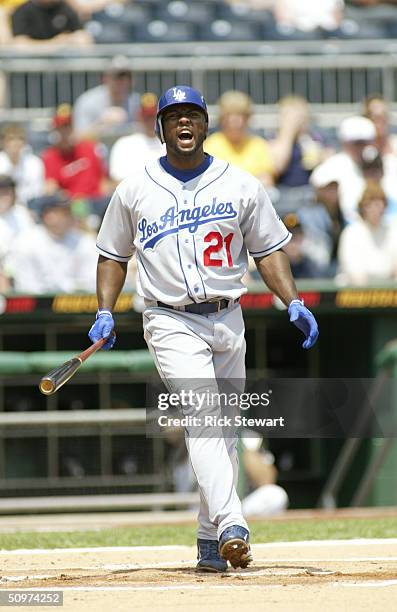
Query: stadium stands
(166, 31)
(118, 23)
(200, 13)
(132, 21)
(215, 20)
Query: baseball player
(191, 219)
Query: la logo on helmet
(179, 95)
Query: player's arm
(115, 246)
(264, 237)
(276, 273)
(111, 276)
(110, 280)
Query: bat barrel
(52, 381)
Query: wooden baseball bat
(51, 382)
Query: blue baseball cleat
(234, 546)
(209, 559)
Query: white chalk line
(285, 571)
(172, 564)
(367, 583)
(202, 587)
(320, 543)
(265, 572)
(170, 587)
(117, 566)
(300, 544)
(267, 560)
(5, 579)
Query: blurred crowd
(339, 202)
(86, 22)
(338, 197)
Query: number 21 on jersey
(217, 241)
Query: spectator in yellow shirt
(10, 5)
(234, 142)
(7, 7)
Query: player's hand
(301, 316)
(103, 328)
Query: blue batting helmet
(180, 94)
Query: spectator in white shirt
(54, 256)
(109, 108)
(130, 153)
(368, 247)
(18, 161)
(355, 133)
(309, 15)
(348, 168)
(14, 219)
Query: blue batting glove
(102, 328)
(301, 316)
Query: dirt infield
(311, 576)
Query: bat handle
(93, 348)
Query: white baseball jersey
(190, 238)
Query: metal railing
(339, 75)
(46, 418)
(104, 423)
(85, 503)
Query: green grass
(273, 531)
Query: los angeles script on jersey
(188, 218)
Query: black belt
(202, 307)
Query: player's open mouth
(185, 137)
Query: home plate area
(350, 571)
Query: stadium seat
(224, 30)
(368, 13)
(118, 13)
(179, 10)
(161, 31)
(116, 23)
(38, 139)
(110, 33)
(365, 29)
(290, 199)
(131, 13)
(147, 3)
(368, 22)
(391, 29)
(137, 14)
(242, 12)
(275, 31)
